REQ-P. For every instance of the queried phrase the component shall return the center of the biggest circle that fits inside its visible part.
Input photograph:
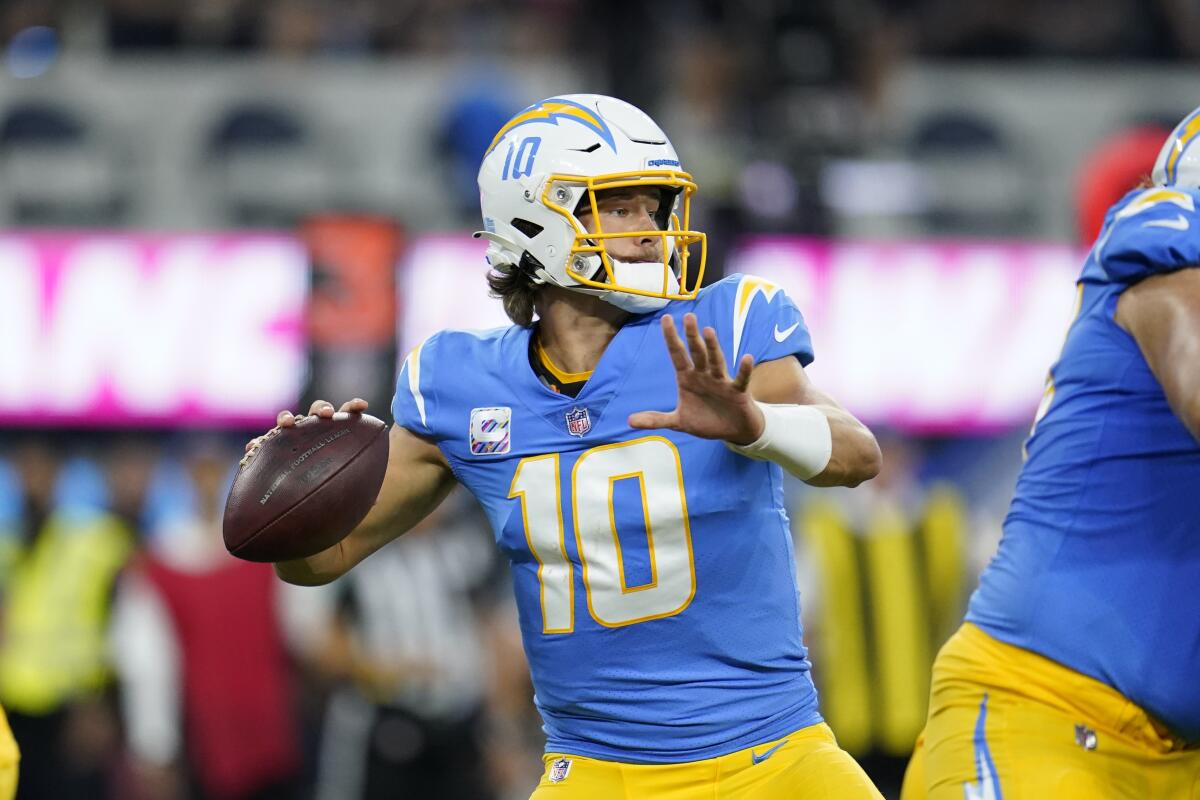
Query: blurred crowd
(787, 109)
(1156, 30)
(138, 660)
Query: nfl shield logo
(578, 421)
(559, 770)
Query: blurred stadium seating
(57, 169)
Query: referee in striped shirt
(402, 638)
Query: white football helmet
(559, 153)
(1178, 162)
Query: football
(301, 489)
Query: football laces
(257, 443)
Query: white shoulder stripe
(743, 298)
(413, 363)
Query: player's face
(623, 210)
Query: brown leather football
(302, 489)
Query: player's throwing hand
(320, 408)
(710, 405)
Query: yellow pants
(805, 765)
(1008, 724)
(10, 758)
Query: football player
(1076, 672)
(632, 475)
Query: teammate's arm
(1162, 313)
(416, 481)
(813, 427)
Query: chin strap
(646, 276)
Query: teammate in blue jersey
(1077, 672)
(632, 475)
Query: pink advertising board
(938, 337)
(934, 337)
(112, 329)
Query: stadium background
(215, 210)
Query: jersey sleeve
(1150, 232)
(766, 323)
(413, 403)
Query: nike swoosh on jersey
(1180, 223)
(780, 335)
(755, 757)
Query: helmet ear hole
(530, 229)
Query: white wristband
(795, 437)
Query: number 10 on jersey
(652, 461)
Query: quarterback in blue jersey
(1077, 672)
(632, 475)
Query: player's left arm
(854, 456)
(1162, 313)
(770, 411)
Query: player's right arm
(417, 479)
(1162, 313)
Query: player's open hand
(711, 405)
(319, 408)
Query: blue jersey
(1099, 566)
(653, 570)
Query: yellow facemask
(676, 238)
